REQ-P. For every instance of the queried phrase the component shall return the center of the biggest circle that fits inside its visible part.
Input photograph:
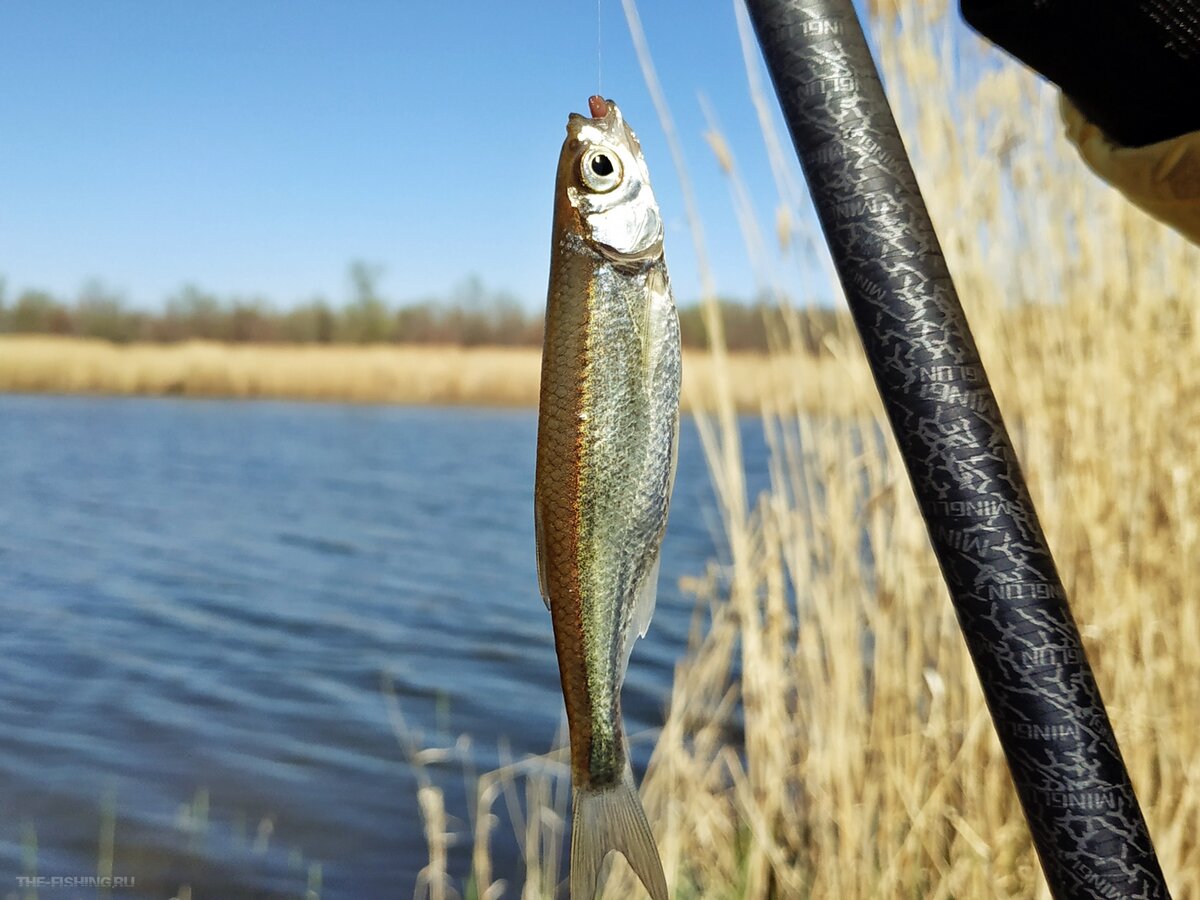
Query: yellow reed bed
(405, 374)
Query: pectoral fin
(656, 316)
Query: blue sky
(256, 148)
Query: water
(198, 600)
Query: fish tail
(612, 818)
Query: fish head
(605, 186)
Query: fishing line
(599, 68)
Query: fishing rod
(1087, 826)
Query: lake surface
(197, 603)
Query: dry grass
(410, 374)
(867, 766)
(365, 374)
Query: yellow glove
(1163, 179)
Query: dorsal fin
(539, 536)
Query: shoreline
(386, 374)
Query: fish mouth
(599, 109)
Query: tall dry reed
(866, 765)
(407, 374)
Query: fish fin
(638, 317)
(643, 608)
(674, 454)
(658, 308)
(540, 540)
(607, 820)
(647, 595)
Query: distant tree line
(470, 316)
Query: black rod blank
(1086, 824)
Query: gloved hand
(1162, 178)
(1129, 71)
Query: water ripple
(203, 596)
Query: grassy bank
(406, 374)
(826, 734)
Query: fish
(607, 448)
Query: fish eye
(601, 170)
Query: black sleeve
(1131, 66)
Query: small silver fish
(608, 425)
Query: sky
(256, 149)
